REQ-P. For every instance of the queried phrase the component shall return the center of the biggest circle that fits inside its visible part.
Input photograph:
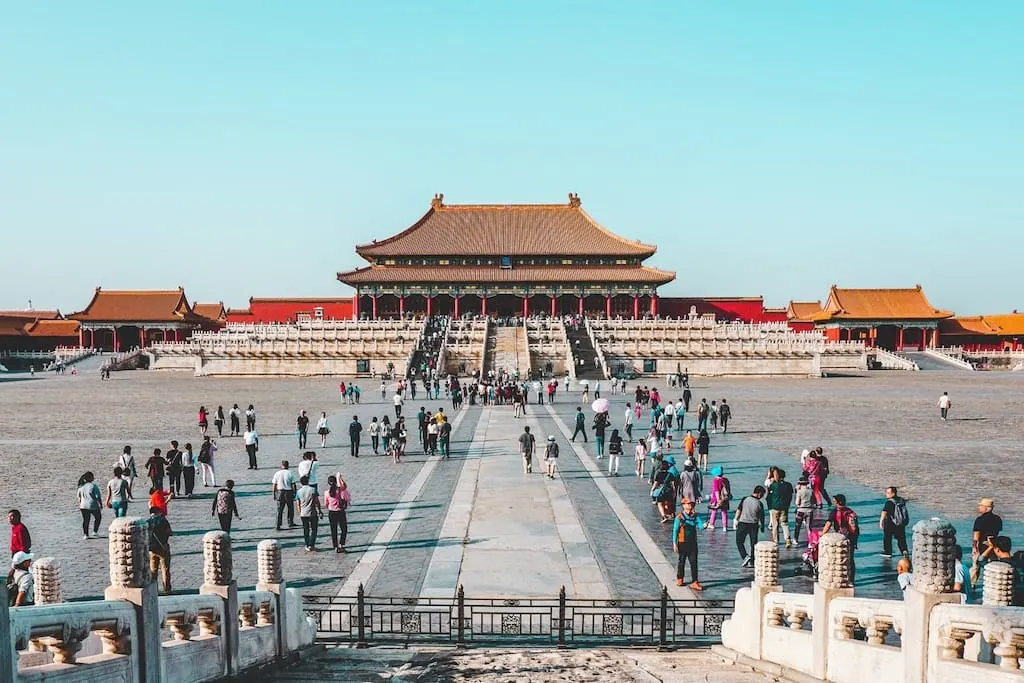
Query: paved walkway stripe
(442, 577)
(372, 558)
(661, 567)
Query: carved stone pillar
(128, 544)
(766, 564)
(997, 590)
(269, 578)
(219, 580)
(834, 561)
(47, 581)
(933, 547)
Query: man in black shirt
(160, 548)
(987, 526)
(302, 424)
(893, 523)
(355, 430)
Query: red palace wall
(747, 309)
(285, 310)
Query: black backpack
(204, 453)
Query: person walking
(251, 439)
(444, 437)
(383, 390)
(282, 486)
(703, 412)
(323, 429)
(684, 542)
(945, 403)
(689, 444)
(250, 417)
(355, 430)
(204, 420)
(24, 586)
(302, 427)
(721, 496)
(310, 512)
(628, 422)
(806, 509)
(89, 504)
(385, 434)
(155, 469)
(309, 468)
(691, 482)
(581, 424)
(817, 469)
(713, 417)
(687, 397)
(206, 451)
(780, 496)
(640, 458)
(127, 464)
(724, 415)
(188, 469)
(160, 548)
(600, 424)
(374, 431)
(748, 520)
(118, 491)
(844, 520)
(218, 421)
(336, 500)
(398, 401)
(614, 453)
(551, 457)
(527, 442)
(224, 505)
(235, 415)
(703, 446)
(893, 522)
(173, 459)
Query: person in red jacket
(21, 540)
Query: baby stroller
(809, 565)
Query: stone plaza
(424, 526)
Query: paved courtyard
(426, 525)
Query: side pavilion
(121, 319)
(892, 319)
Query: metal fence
(561, 621)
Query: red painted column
(581, 304)
(935, 338)
(654, 304)
(81, 336)
(554, 304)
(430, 301)
(355, 306)
(177, 334)
(636, 307)
(142, 337)
(117, 347)
(483, 304)
(608, 306)
(899, 339)
(526, 306)
(401, 306)
(373, 304)
(456, 300)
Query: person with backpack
(126, 462)
(843, 520)
(160, 548)
(224, 505)
(893, 522)
(551, 457)
(206, 451)
(614, 453)
(174, 467)
(684, 542)
(748, 520)
(780, 495)
(155, 468)
(600, 424)
(527, 443)
(816, 466)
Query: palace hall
(513, 259)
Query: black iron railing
(561, 621)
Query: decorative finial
(438, 201)
(574, 200)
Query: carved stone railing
(976, 643)
(597, 349)
(953, 357)
(135, 636)
(893, 361)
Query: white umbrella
(600, 405)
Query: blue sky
(772, 149)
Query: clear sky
(774, 148)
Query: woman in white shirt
(322, 429)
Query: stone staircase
(503, 349)
(583, 349)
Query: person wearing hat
(22, 579)
(805, 509)
(551, 456)
(987, 526)
(684, 542)
(721, 494)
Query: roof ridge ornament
(574, 200)
(437, 202)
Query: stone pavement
(462, 510)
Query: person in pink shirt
(336, 500)
(721, 495)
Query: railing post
(130, 580)
(561, 618)
(460, 613)
(8, 658)
(663, 628)
(360, 614)
(219, 580)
